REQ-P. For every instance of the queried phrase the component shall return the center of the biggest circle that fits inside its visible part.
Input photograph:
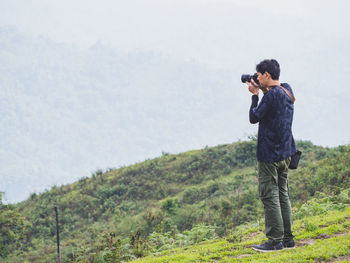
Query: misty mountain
(67, 112)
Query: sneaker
(267, 247)
(289, 243)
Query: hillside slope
(214, 190)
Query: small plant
(310, 227)
(169, 205)
(139, 243)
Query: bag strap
(288, 93)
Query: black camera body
(247, 77)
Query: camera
(247, 77)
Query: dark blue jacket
(275, 116)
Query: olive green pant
(274, 194)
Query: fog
(177, 66)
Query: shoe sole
(289, 247)
(266, 251)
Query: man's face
(263, 79)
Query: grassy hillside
(185, 197)
(318, 238)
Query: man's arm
(254, 89)
(252, 118)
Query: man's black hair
(271, 66)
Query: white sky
(175, 27)
(234, 35)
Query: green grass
(318, 238)
(215, 186)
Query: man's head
(268, 72)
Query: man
(275, 147)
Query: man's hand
(253, 87)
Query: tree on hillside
(13, 228)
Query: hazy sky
(191, 29)
(234, 35)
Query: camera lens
(245, 78)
